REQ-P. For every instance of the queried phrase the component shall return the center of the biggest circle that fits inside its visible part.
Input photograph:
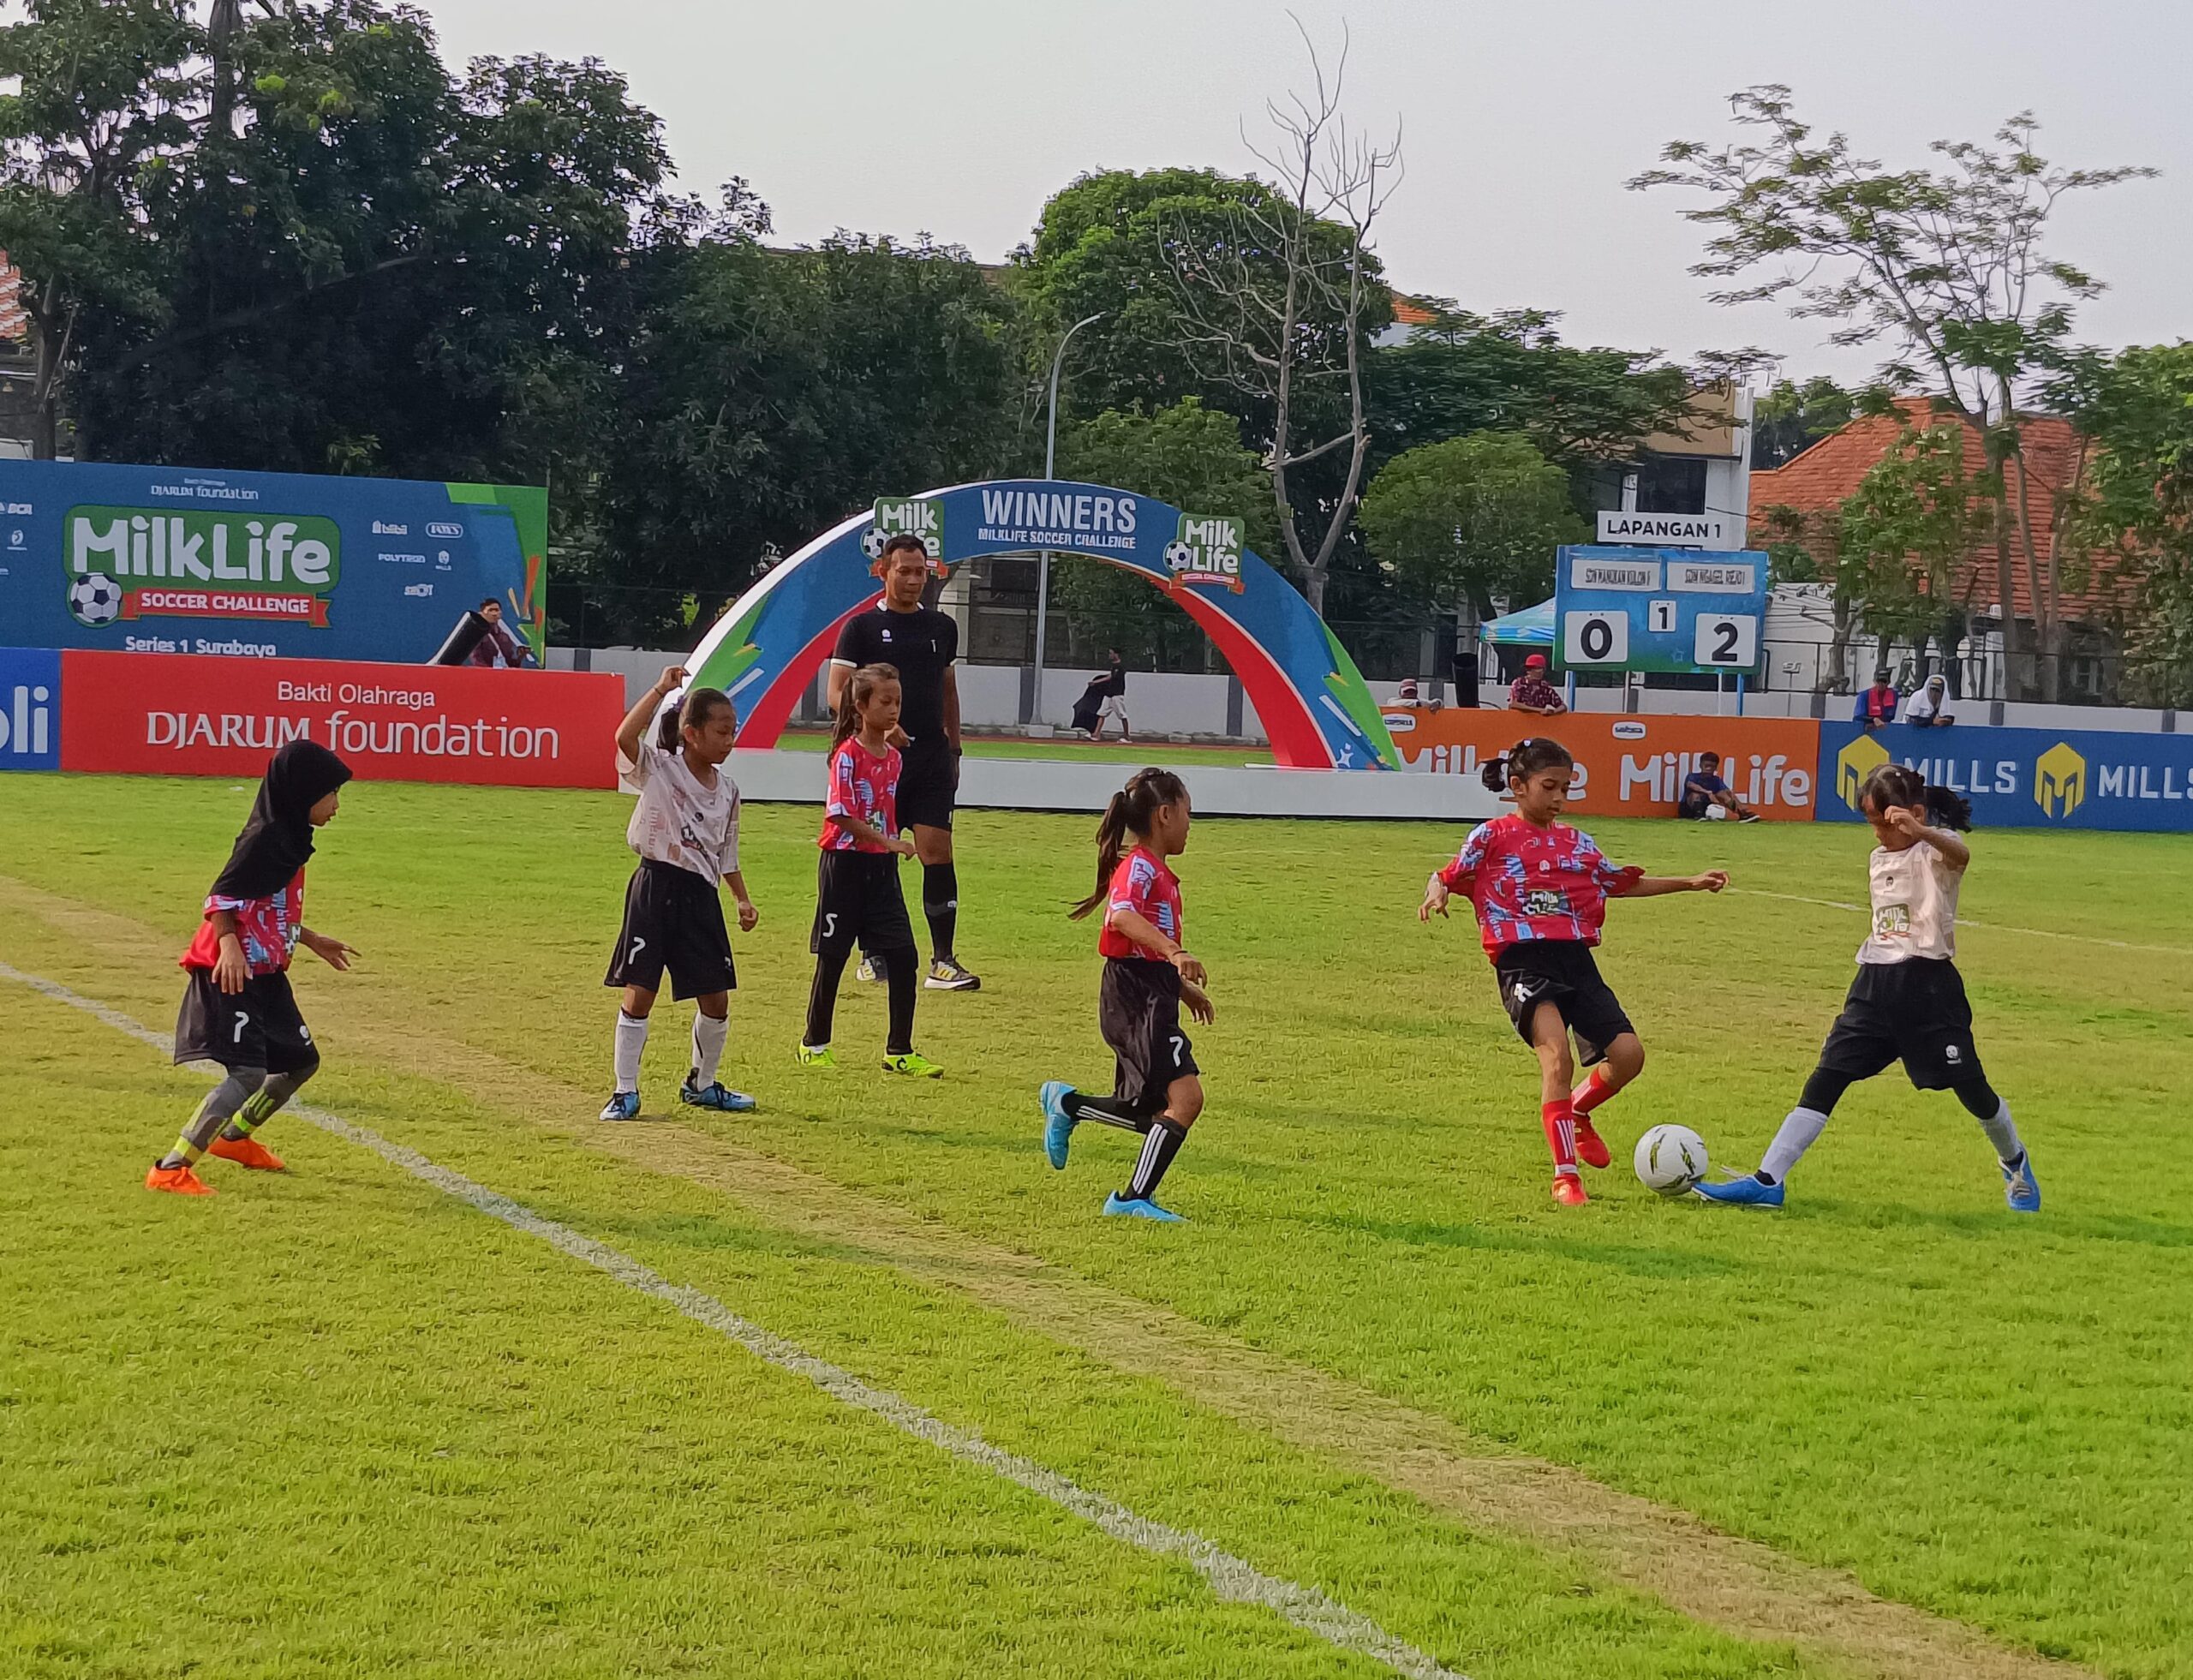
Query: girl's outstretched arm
(1659, 886)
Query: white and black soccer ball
(1179, 556)
(95, 599)
(1670, 1159)
(871, 542)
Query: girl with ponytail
(1540, 889)
(1908, 1002)
(1156, 1087)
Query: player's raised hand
(1905, 821)
(1712, 881)
(672, 678)
(1435, 900)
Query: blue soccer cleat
(624, 1105)
(715, 1095)
(2020, 1189)
(1057, 1124)
(1141, 1207)
(1741, 1192)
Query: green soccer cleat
(913, 1064)
(815, 1055)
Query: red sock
(1560, 1121)
(1594, 1091)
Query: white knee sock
(631, 1039)
(1799, 1133)
(707, 1047)
(2003, 1134)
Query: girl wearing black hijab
(238, 1008)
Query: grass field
(337, 1422)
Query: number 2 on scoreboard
(1727, 639)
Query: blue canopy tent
(1532, 627)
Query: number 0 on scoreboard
(1595, 638)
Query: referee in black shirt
(921, 643)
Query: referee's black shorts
(929, 785)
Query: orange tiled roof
(1407, 313)
(1830, 470)
(12, 321)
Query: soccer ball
(871, 542)
(1670, 1159)
(95, 599)
(1179, 556)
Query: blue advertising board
(30, 709)
(2022, 778)
(181, 559)
(1658, 609)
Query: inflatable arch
(1317, 713)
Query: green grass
(1110, 751)
(430, 1445)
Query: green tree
(1906, 531)
(1947, 266)
(1461, 522)
(1791, 418)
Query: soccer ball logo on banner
(1206, 551)
(95, 599)
(906, 516)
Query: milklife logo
(126, 563)
(30, 709)
(1206, 549)
(906, 516)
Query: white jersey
(1914, 906)
(679, 822)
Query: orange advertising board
(1626, 765)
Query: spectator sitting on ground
(1876, 707)
(1925, 711)
(1531, 693)
(501, 645)
(1705, 795)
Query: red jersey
(1528, 882)
(1143, 884)
(267, 928)
(863, 786)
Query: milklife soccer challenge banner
(1316, 712)
(176, 715)
(271, 565)
(1626, 766)
(2023, 777)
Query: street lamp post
(1043, 556)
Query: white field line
(1988, 927)
(1230, 1577)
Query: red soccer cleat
(250, 1152)
(176, 1182)
(1569, 1190)
(1590, 1147)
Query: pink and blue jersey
(1143, 884)
(267, 929)
(865, 787)
(1533, 883)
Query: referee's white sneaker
(944, 975)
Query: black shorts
(1562, 972)
(257, 1027)
(1138, 1009)
(929, 786)
(673, 919)
(1914, 1011)
(858, 897)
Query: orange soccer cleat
(1590, 1147)
(1569, 1190)
(250, 1152)
(176, 1182)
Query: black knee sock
(941, 903)
(1979, 1098)
(1105, 1112)
(1159, 1145)
(903, 973)
(822, 996)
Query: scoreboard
(1658, 609)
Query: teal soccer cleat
(1117, 1205)
(1741, 1192)
(623, 1105)
(1057, 1124)
(715, 1095)
(2020, 1188)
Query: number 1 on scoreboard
(1660, 617)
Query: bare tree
(1947, 265)
(1280, 298)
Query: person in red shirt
(858, 896)
(1531, 692)
(1540, 889)
(1156, 1087)
(238, 1007)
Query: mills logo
(2060, 781)
(905, 516)
(1854, 764)
(1206, 550)
(134, 563)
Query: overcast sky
(1521, 121)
